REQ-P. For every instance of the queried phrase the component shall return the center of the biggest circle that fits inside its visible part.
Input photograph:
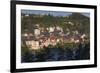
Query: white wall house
(26, 15)
(33, 44)
(71, 23)
(36, 32)
(58, 28)
(82, 36)
(77, 41)
(25, 35)
(51, 29)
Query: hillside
(79, 21)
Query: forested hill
(75, 21)
(78, 16)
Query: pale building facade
(37, 32)
(33, 44)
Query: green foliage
(25, 50)
(81, 22)
(70, 45)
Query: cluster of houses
(51, 36)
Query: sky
(54, 13)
